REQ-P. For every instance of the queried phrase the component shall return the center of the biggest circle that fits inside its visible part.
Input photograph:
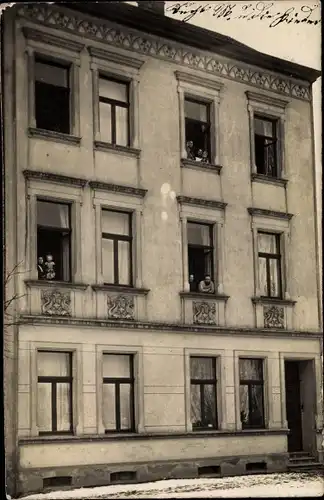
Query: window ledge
(51, 135)
(202, 295)
(273, 300)
(197, 165)
(58, 284)
(115, 148)
(121, 289)
(276, 181)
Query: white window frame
(274, 226)
(211, 216)
(62, 51)
(123, 67)
(77, 385)
(137, 352)
(125, 203)
(272, 108)
(58, 193)
(220, 387)
(267, 384)
(206, 90)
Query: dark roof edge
(194, 36)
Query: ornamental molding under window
(44, 37)
(204, 313)
(201, 202)
(274, 317)
(125, 38)
(57, 178)
(55, 303)
(116, 188)
(121, 307)
(261, 212)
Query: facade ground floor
(101, 404)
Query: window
(269, 265)
(118, 392)
(114, 111)
(117, 247)
(200, 252)
(265, 139)
(52, 96)
(54, 240)
(54, 392)
(251, 393)
(203, 397)
(197, 130)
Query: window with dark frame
(251, 393)
(118, 393)
(54, 392)
(114, 111)
(269, 264)
(266, 144)
(117, 247)
(203, 393)
(197, 129)
(52, 95)
(200, 252)
(54, 237)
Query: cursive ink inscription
(263, 11)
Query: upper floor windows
(266, 146)
(200, 253)
(197, 128)
(114, 111)
(269, 265)
(117, 247)
(52, 95)
(54, 240)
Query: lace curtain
(251, 394)
(203, 369)
(118, 224)
(267, 243)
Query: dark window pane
(57, 244)
(116, 365)
(196, 111)
(52, 74)
(198, 234)
(53, 214)
(125, 406)
(44, 407)
(63, 406)
(256, 406)
(195, 406)
(52, 107)
(116, 91)
(209, 405)
(251, 369)
(109, 406)
(202, 368)
(199, 134)
(244, 404)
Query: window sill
(197, 165)
(121, 289)
(273, 300)
(202, 295)
(58, 284)
(276, 181)
(125, 150)
(51, 135)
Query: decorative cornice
(126, 38)
(116, 188)
(106, 55)
(51, 135)
(201, 295)
(266, 179)
(198, 165)
(58, 178)
(56, 284)
(273, 301)
(44, 37)
(266, 99)
(204, 81)
(261, 212)
(115, 148)
(165, 327)
(201, 202)
(120, 289)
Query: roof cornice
(79, 22)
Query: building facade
(160, 216)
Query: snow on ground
(258, 485)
